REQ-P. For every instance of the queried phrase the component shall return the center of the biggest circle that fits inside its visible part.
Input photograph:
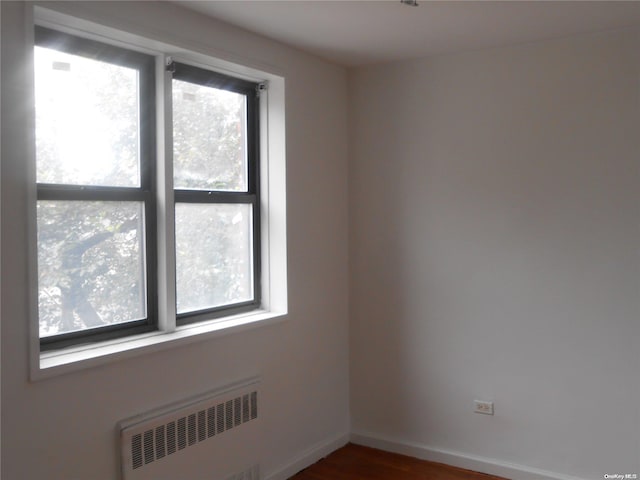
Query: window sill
(86, 356)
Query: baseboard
(309, 457)
(456, 459)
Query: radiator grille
(167, 434)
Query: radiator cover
(209, 436)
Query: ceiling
(361, 32)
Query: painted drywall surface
(494, 205)
(64, 428)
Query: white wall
(495, 206)
(494, 202)
(64, 428)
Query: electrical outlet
(483, 407)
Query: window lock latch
(170, 65)
(261, 87)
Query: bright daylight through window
(97, 190)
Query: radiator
(214, 436)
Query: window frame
(149, 190)
(162, 44)
(208, 78)
(146, 192)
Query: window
(97, 187)
(215, 177)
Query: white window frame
(272, 207)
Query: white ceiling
(360, 32)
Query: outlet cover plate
(484, 407)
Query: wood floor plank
(355, 462)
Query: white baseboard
(456, 459)
(309, 457)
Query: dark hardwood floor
(354, 462)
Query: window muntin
(95, 161)
(217, 211)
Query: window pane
(87, 121)
(209, 138)
(90, 265)
(213, 255)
